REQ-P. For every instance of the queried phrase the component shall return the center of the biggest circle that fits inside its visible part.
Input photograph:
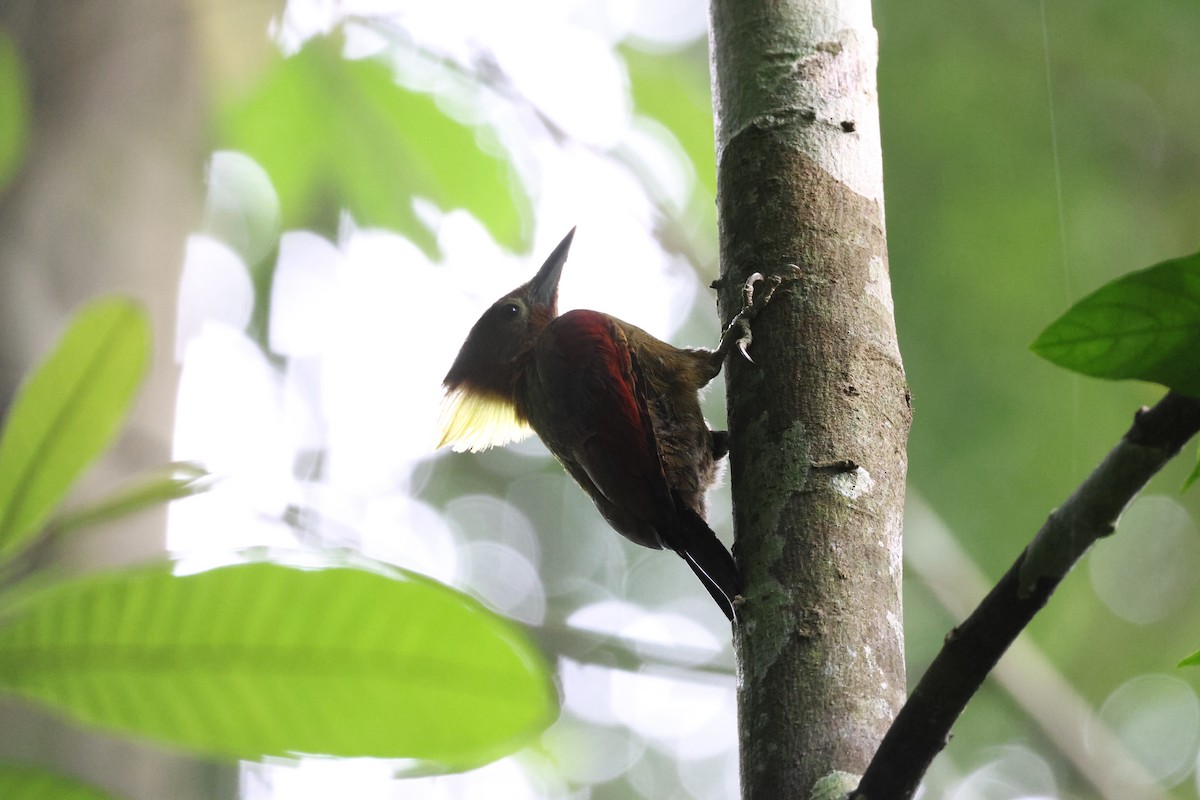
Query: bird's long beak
(543, 289)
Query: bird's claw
(743, 342)
(748, 290)
(754, 301)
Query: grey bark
(819, 422)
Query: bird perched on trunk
(617, 407)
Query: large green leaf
(1145, 325)
(67, 413)
(14, 108)
(334, 133)
(268, 658)
(18, 782)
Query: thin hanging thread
(1058, 187)
(1062, 226)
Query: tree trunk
(820, 420)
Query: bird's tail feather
(708, 558)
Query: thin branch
(933, 553)
(680, 662)
(972, 649)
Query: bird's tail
(708, 558)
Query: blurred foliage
(274, 654)
(999, 437)
(674, 89)
(14, 109)
(335, 134)
(31, 783)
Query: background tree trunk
(820, 421)
(108, 190)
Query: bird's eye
(510, 310)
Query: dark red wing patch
(619, 451)
(589, 406)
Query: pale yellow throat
(473, 421)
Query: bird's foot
(754, 299)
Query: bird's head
(480, 410)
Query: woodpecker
(618, 408)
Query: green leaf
(1145, 325)
(268, 658)
(14, 109)
(1191, 661)
(178, 480)
(19, 782)
(67, 413)
(334, 133)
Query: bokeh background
(342, 187)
